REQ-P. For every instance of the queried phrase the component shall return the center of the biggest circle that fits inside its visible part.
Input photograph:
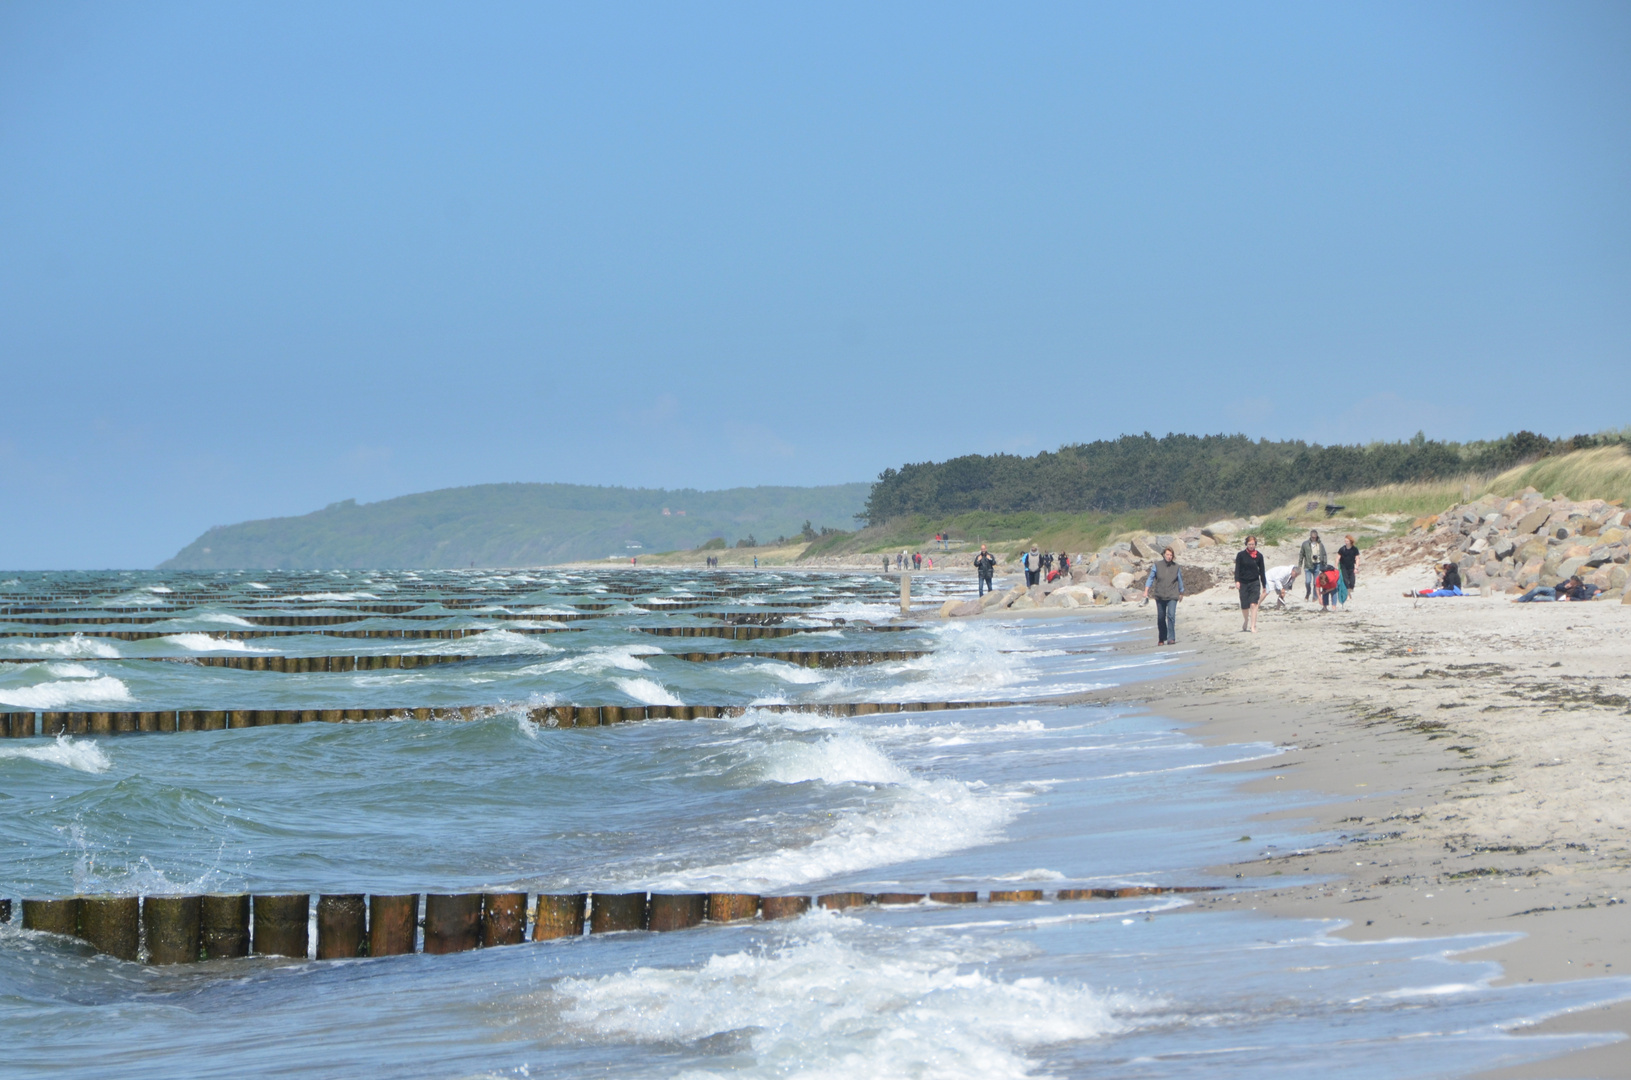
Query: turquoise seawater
(1025, 795)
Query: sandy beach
(1474, 753)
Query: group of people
(1042, 566)
(1331, 583)
(913, 560)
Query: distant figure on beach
(1311, 559)
(756, 562)
(886, 564)
(1250, 580)
(1449, 583)
(1033, 566)
(1279, 580)
(1166, 583)
(985, 565)
(1572, 589)
(1347, 559)
(917, 560)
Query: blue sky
(258, 258)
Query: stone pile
(1511, 545)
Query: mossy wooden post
(617, 911)
(955, 897)
(52, 916)
(783, 907)
(223, 926)
(393, 923)
(112, 924)
(732, 907)
(452, 922)
(906, 594)
(280, 924)
(675, 911)
(559, 915)
(172, 928)
(898, 898)
(342, 925)
(503, 918)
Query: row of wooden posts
(817, 658)
(187, 929)
(22, 725)
(388, 633)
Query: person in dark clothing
(1572, 589)
(1166, 582)
(985, 564)
(1251, 578)
(1311, 560)
(1452, 576)
(1347, 559)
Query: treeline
(1223, 473)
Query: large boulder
(1532, 521)
(1023, 603)
(1123, 581)
(1146, 548)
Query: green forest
(1229, 474)
(516, 525)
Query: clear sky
(256, 258)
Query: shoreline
(1471, 757)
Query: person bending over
(1280, 579)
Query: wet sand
(1477, 758)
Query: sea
(1005, 788)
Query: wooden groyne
(815, 658)
(381, 633)
(752, 632)
(164, 930)
(23, 725)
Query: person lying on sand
(1572, 589)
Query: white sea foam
(647, 691)
(835, 1002)
(201, 642)
(492, 643)
(601, 658)
(84, 756)
(837, 759)
(77, 646)
(71, 671)
(911, 818)
(793, 673)
(102, 690)
(220, 617)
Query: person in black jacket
(1251, 578)
(985, 564)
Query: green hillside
(516, 525)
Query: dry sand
(1478, 756)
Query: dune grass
(1602, 473)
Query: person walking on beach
(1347, 559)
(1250, 579)
(1033, 567)
(1311, 560)
(1166, 581)
(985, 565)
